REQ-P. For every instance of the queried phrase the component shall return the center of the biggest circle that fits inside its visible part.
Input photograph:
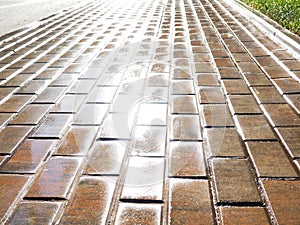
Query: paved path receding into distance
(17, 13)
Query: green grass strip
(285, 12)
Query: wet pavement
(148, 112)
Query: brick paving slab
(148, 112)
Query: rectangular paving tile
(204, 67)
(243, 104)
(282, 115)
(185, 128)
(212, 95)
(284, 200)
(91, 114)
(255, 127)
(268, 95)
(271, 160)
(130, 213)
(31, 115)
(229, 73)
(90, 201)
(184, 104)
(249, 67)
(106, 157)
(53, 127)
(186, 159)
(144, 179)
(234, 182)
(294, 101)
(4, 92)
(276, 72)
(28, 157)
(288, 85)
(244, 215)
(11, 137)
(290, 137)
(56, 178)
(222, 142)
(149, 141)
(189, 202)
(237, 86)
(50, 95)
(69, 104)
(36, 212)
(216, 116)
(182, 87)
(207, 79)
(11, 187)
(15, 104)
(34, 87)
(78, 141)
(258, 79)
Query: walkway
(148, 112)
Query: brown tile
(35, 68)
(243, 104)
(90, 202)
(17, 81)
(184, 87)
(29, 156)
(185, 128)
(74, 68)
(56, 178)
(4, 118)
(293, 65)
(281, 115)
(266, 61)
(184, 104)
(186, 159)
(258, 79)
(33, 87)
(7, 73)
(15, 104)
(249, 67)
(180, 73)
(271, 160)
(202, 57)
(222, 142)
(11, 187)
(149, 141)
(204, 67)
(294, 101)
(36, 213)
(242, 57)
(255, 127)
(216, 116)
(276, 72)
(229, 72)
(233, 181)
(291, 138)
(144, 179)
(152, 114)
(11, 137)
(69, 104)
(224, 62)
(31, 115)
(288, 85)
(212, 95)
(77, 141)
(268, 95)
(49, 73)
(147, 214)
(244, 215)
(219, 53)
(106, 157)
(50, 95)
(236, 87)
(207, 80)
(282, 197)
(91, 114)
(190, 202)
(53, 127)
